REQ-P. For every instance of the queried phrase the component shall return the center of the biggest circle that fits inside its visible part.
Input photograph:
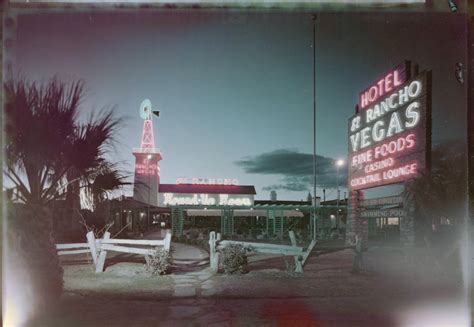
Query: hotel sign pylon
(147, 160)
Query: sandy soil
(327, 294)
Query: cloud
(295, 169)
(292, 184)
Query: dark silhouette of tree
(108, 179)
(48, 149)
(441, 192)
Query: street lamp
(339, 163)
(149, 183)
(313, 18)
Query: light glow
(436, 313)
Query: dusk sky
(235, 89)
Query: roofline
(206, 188)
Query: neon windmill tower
(147, 160)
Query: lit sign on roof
(207, 181)
(168, 199)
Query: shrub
(159, 262)
(234, 259)
(193, 233)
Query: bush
(193, 233)
(159, 262)
(234, 259)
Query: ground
(271, 294)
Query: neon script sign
(208, 181)
(388, 139)
(205, 199)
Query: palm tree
(107, 180)
(47, 150)
(96, 193)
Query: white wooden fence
(98, 248)
(300, 254)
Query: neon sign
(389, 139)
(384, 85)
(145, 169)
(207, 181)
(206, 199)
(382, 122)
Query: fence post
(298, 258)
(292, 238)
(91, 240)
(212, 251)
(102, 256)
(216, 253)
(308, 251)
(167, 245)
(299, 264)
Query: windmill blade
(145, 108)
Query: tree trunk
(32, 248)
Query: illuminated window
(393, 221)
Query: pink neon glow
(153, 171)
(147, 168)
(391, 148)
(148, 141)
(384, 85)
(378, 165)
(406, 170)
(394, 174)
(399, 145)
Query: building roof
(207, 189)
(342, 202)
(242, 213)
(284, 202)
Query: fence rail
(265, 247)
(135, 242)
(125, 249)
(299, 253)
(98, 248)
(74, 251)
(71, 246)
